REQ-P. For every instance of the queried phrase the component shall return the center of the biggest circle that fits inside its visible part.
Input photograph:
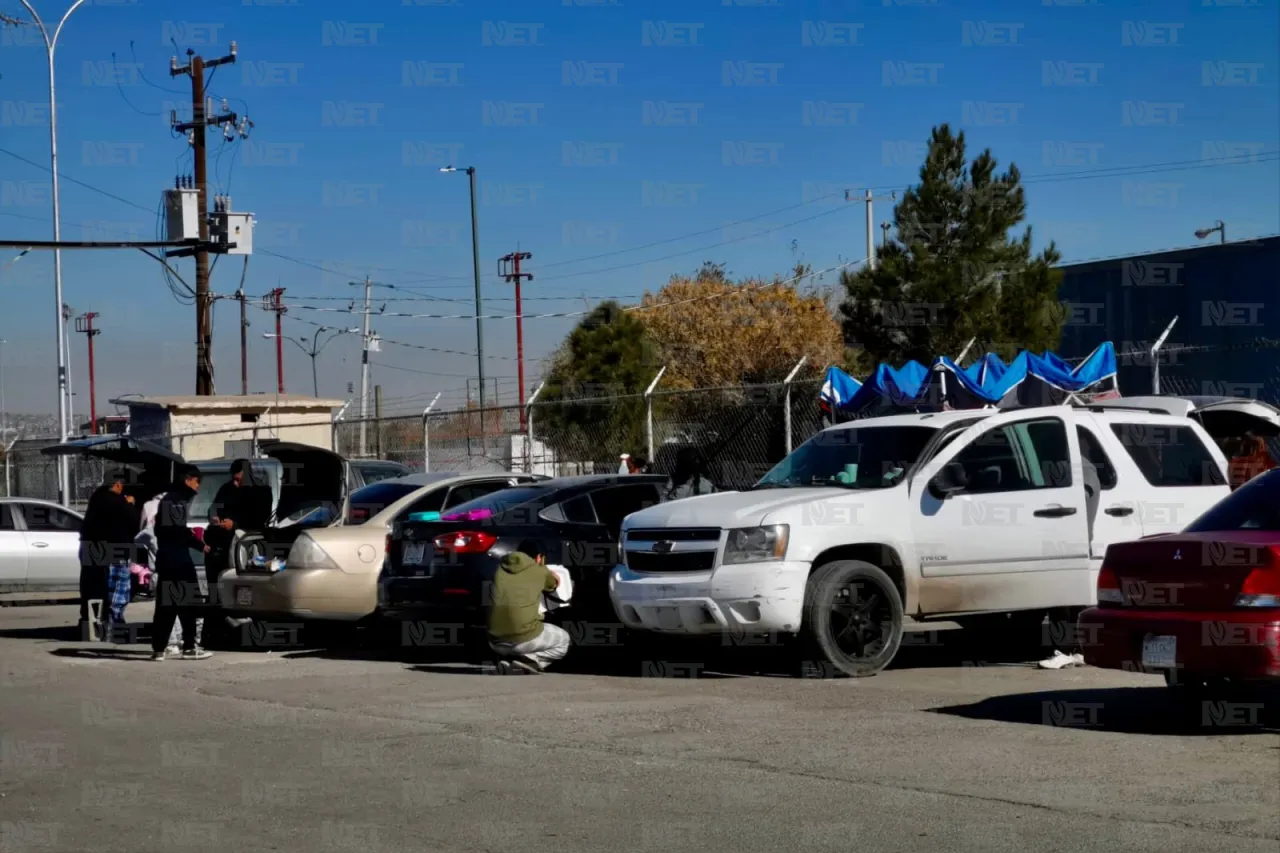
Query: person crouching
(517, 634)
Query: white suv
(956, 515)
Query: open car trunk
(154, 465)
(313, 493)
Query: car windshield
(870, 457)
(1253, 506)
(367, 502)
(210, 482)
(496, 503)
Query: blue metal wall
(1226, 298)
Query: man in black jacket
(106, 538)
(227, 514)
(178, 595)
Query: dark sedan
(438, 569)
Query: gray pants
(548, 647)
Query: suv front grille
(675, 561)
(692, 534)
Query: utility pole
(271, 302)
(377, 417)
(364, 367)
(84, 325)
(67, 314)
(868, 198)
(509, 268)
(200, 119)
(475, 260)
(244, 344)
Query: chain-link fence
(739, 432)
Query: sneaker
(173, 650)
(158, 656)
(1062, 661)
(504, 667)
(522, 665)
(197, 654)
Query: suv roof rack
(1093, 407)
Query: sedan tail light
(1261, 587)
(466, 542)
(1109, 587)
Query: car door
(53, 545)
(1116, 518)
(594, 552)
(1015, 536)
(13, 550)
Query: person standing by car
(179, 587)
(689, 477)
(517, 634)
(226, 515)
(1250, 459)
(106, 541)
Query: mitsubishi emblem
(1177, 555)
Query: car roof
(588, 480)
(934, 420)
(436, 478)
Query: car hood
(731, 509)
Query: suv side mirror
(950, 480)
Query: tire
(852, 623)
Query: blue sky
(617, 142)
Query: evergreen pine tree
(955, 270)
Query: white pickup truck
(961, 515)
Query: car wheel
(852, 620)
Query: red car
(1202, 606)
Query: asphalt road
(104, 750)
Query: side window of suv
(1017, 457)
(1169, 455)
(1091, 449)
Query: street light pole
(50, 44)
(315, 349)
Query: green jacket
(517, 591)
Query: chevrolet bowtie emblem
(663, 547)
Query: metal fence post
(648, 414)
(1155, 356)
(426, 434)
(786, 385)
(528, 429)
(337, 419)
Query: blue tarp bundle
(1029, 379)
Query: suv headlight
(756, 544)
(306, 553)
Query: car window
(471, 491)
(1253, 506)
(1169, 455)
(1091, 449)
(578, 510)
(6, 518)
(615, 504)
(865, 457)
(502, 500)
(371, 474)
(49, 519)
(367, 502)
(1016, 457)
(210, 482)
(432, 501)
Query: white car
(956, 515)
(39, 546)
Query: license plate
(1160, 652)
(413, 552)
(244, 596)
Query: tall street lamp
(315, 348)
(475, 257)
(1220, 228)
(51, 44)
